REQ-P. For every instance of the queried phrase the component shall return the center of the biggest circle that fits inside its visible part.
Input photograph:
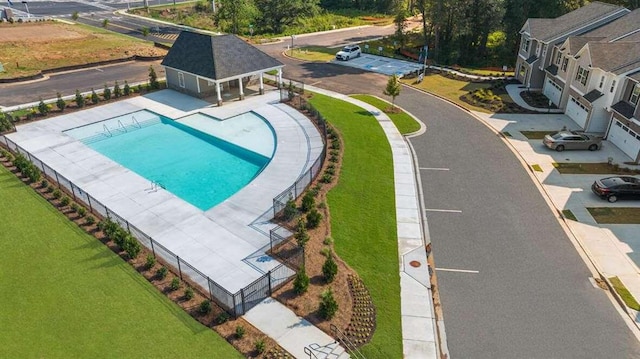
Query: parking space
(382, 65)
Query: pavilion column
(280, 78)
(240, 89)
(218, 93)
(261, 85)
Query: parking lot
(382, 65)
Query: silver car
(571, 140)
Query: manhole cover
(415, 264)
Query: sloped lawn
(66, 295)
(363, 222)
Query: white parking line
(442, 210)
(457, 270)
(434, 168)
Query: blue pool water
(199, 168)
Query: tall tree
(276, 14)
(234, 16)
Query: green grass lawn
(448, 88)
(363, 221)
(314, 53)
(624, 293)
(405, 123)
(615, 215)
(592, 168)
(65, 295)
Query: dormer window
(635, 94)
(565, 62)
(582, 75)
(525, 45)
(558, 58)
(613, 86)
(601, 82)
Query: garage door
(625, 139)
(577, 111)
(552, 91)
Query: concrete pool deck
(226, 242)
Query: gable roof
(575, 43)
(619, 28)
(547, 30)
(216, 57)
(616, 57)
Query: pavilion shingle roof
(216, 57)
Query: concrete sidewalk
(609, 250)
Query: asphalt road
(530, 297)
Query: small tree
(117, 91)
(132, 247)
(240, 331)
(175, 284)
(145, 31)
(401, 26)
(43, 108)
(308, 201)
(393, 89)
(329, 269)
(106, 93)
(75, 15)
(105, 23)
(60, 103)
(290, 210)
(301, 283)
(205, 307)
(94, 97)
(301, 235)
(151, 261)
(313, 219)
(127, 89)
(153, 79)
(79, 99)
(328, 305)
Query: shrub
(105, 23)
(325, 251)
(43, 108)
(161, 273)
(313, 219)
(175, 284)
(205, 307)
(140, 88)
(79, 99)
(90, 220)
(75, 15)
(44, 183)
(153, 79)
(60, 103)
(328, 305)
(117, 91)
(106, 93)
(94, 97)
(335, 144)
(301, 235)
(145, 31)
(333, 158)
(301, 283)
(131, 246)
(329, 269)
(65, 201)
(260, 346)
(57, 194)
(75, 207)
(151, 261)
(290, 210)
(82, 212)
(326, 178)
(50, 188)
(126, 89)
(240, 331)
(222, 317)
(188, 293)
(308, 202)
(328, 240)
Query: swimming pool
(199, 168)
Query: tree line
(465, 32)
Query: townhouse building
(594, 77)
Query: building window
(544, 51)
(523, 72)
(613, 86)
(538, 49)
(558, 58)
(601, 82)
(181, 79)
(635, 94)
(525, 44)
(582, 75)
(565, 62)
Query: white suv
(349, 52)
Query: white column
(261, 84)
(198, 85)
(218, 93)
(279, 77)
(240, 89)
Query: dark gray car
(571, 140)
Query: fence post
(57, 179)
(269, 277)
(179, 269)
(89, 200)
(128, 230)
(235, 310)
(73, 193)
(106, 209)
(152, 249)
(210, 290)
(242, 298)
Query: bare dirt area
(32, 47)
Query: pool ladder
(157, 184)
